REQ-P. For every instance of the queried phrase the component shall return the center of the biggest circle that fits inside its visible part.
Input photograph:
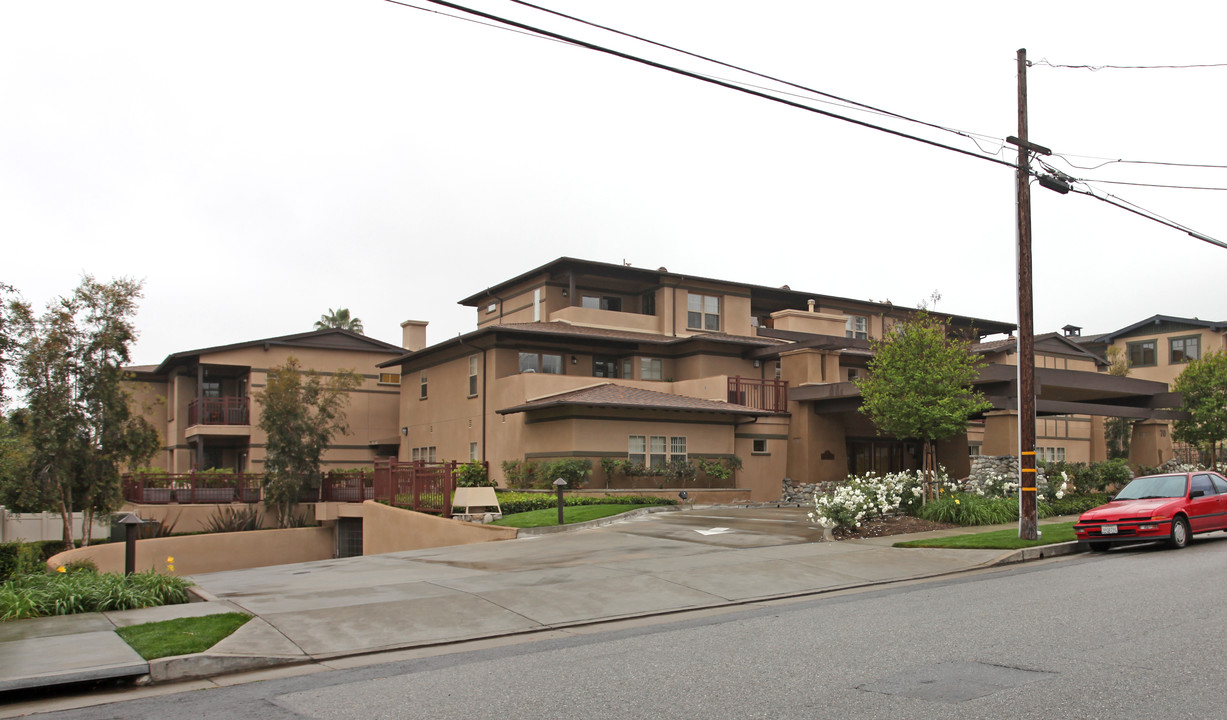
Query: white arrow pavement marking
(714, 531)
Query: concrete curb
(602, 522)
(1040, 552)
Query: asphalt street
(1135, 633)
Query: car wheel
(1100, 546)
(1180, 533)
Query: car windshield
(1155, 486)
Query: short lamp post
(132, 528)
(559, 484)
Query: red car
(1171, 507)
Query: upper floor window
(857, 326)
(491, 307)
(472, 375)
(1141, 353)
(389, 378)
(602, 302)
(604, 366)
(651, 369)
(422, 396)
(211, 389)
(647, 303)
(531, 362)
(703, 312)
(1183, 349)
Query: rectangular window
(853, 374)
(658, 451)
(677, 448)
(537, 305)
(973, 450)
(637, 450)
(211, 389)
(389, 378)
(472, 375)
(540, 363)
(647, 304)
(1184, 349)
(602, 302)
(604, 366)
(1141, 353)
(702, 312)
(651, 369)
(422, 396)
(760, 446)
(628, 369)
(472, 452)
(491, 307)
(857, 326)
(423, 454)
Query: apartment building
(201, 400)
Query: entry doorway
(883, 455)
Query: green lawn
(997, 539)
(571, 514)
(181, 636)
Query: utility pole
(1027, 517)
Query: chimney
(811, 305)
(413, 334)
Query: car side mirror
(1196, 494)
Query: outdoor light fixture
(574, 360)
(559, 484)
(404, 431)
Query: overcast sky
(257, 163)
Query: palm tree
(339, 318)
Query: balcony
(770, 395)
(219, 411)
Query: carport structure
(1057, 392)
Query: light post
(132, 528)
(559, 484)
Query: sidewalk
(329, 609)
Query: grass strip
(181, 636)
(997, 539)
(570, 515)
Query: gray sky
(259, 162)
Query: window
(1184, 349)
(628, 369)
(760, 446)
(211, 389)
(647, 304)
(651, 368)
(658, 451)
(601, 302)
(853, 374)
(389, 378)
(472, 452)
(857, 326)
(702, 312)
(1047, 454)
(655, 450)
(422, 396)
(491, 307)
(1141, 353)
(1202, 482)
(637, 449)
(973, 450)
(604, 366)
(537, 305)
(472, 375)
(540, 363)
(422, 454)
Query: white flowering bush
(870, 496)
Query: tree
(339, 318)
(12, 310)
(300, 412)
(1117, 432)
(77, 420)
(1204, 387)
(918, 385)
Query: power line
(1149, 215)
(1109, 161)
(703, 78)
(738, 68)
(1154, 185)
(1097, 68)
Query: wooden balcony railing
(219, 411)
(771, 395)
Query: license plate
(1107, 529)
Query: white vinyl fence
(29, 527)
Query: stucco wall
(387, 529)
(210, 553)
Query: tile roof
(612, 395)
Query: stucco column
(1000, 433)
(1151, 444)
(1099, 444)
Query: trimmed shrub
(228, 519)
(515, 502)
(473, 474)
(65, 593)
